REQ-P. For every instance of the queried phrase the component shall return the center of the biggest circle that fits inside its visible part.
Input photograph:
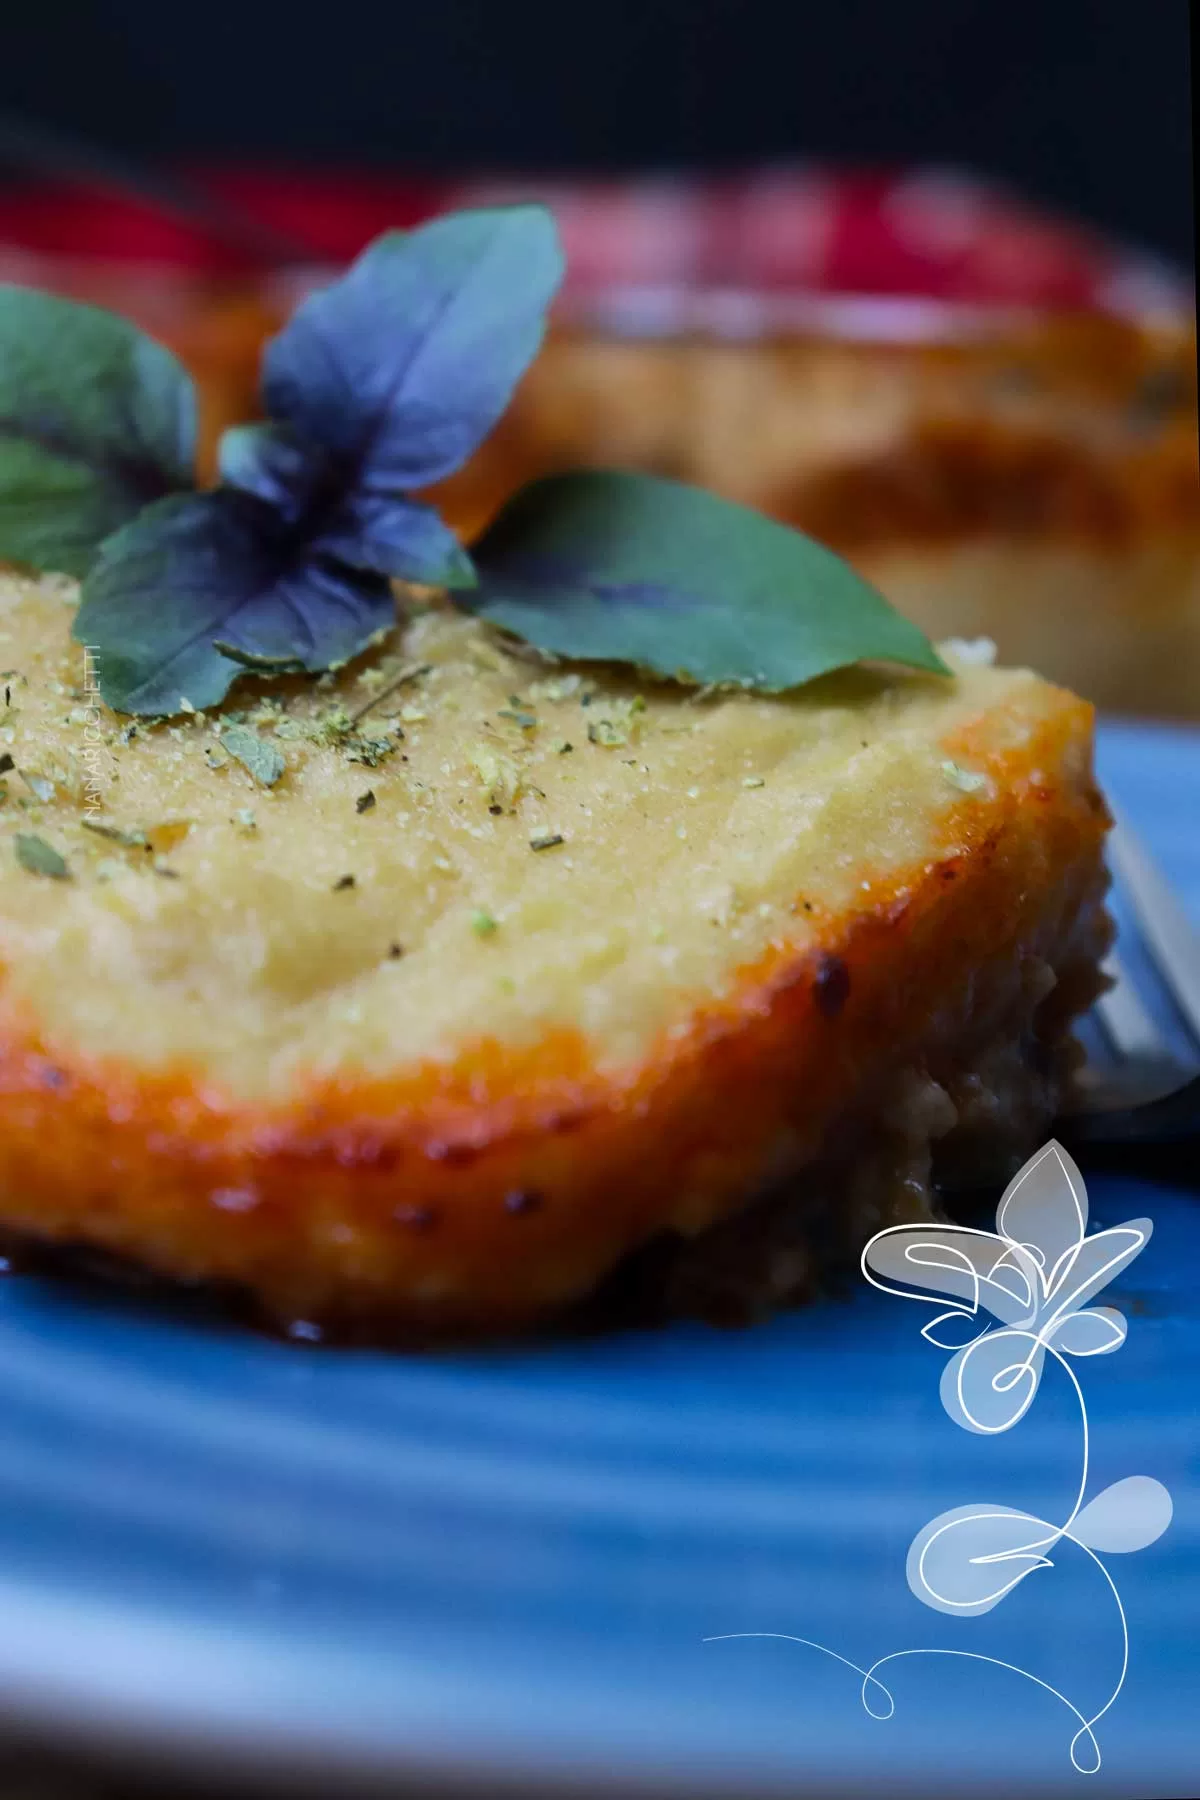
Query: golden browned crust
(494, 1190)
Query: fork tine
(1170, 936)
(1128, 1025)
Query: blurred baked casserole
(992, 414)
(1034, 482)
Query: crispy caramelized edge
(494, 1190)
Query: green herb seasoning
(518, 714)
(128, 840)
(500, 778)
(368, 751)
(967, 781)
(260, 759)
(39, 857)
(558, 687)
(391, 685)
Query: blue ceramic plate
(506, 1567)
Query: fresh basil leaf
(96, 422)
(400, 368)
(399, 538)
(128, 840)
(633, 568)
(201, 569)
(385, 533)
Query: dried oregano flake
(257, 757)
(39, 857)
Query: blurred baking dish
(1034, 482)
(992, 414)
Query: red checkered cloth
(728, 253)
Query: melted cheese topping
(272, 932)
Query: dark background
(1082, 103)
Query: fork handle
(1175, 1119)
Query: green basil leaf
(96, 422)
(618, 567)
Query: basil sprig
(380, 386)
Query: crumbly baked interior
(523, 970)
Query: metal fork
(1148, 1093)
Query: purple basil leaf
(388, 535)
(200, 569)
(399, 538)
(400, 368)
(271, 462)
